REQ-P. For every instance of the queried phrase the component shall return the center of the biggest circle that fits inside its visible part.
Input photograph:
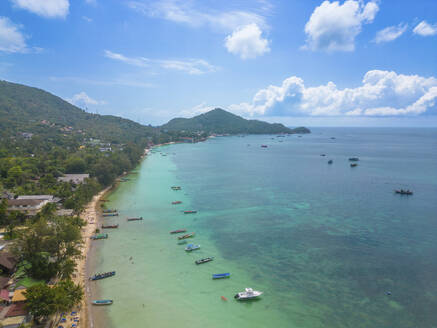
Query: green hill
(222, 122)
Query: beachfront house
(74, 178)
(29, 207)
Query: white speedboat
(249, 294)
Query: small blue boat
(102, 302)
(221, 275)
(191, 247)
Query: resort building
(28, 206)
(74, 178)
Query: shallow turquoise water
(324, 242)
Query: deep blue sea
(329, 245)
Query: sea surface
(329, 245)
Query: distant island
(219, 121)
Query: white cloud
(334, 27)
(91, 2)
(247, 42)
(425, 29)
(190, 66)
(11, 39)
(45, 8)
(87, 19)
(382, 93)
(390, 33)
(197, 110)
(82, 99)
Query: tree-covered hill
(222, 122)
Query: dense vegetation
(222, 122)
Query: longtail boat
(135, 219)
(189, 235)
(182, 242)
(191, 247)
(354, 164)
(110, 214)
(263, 146)
(100, 236)
(176, 202)
(110, 211)
(178, 231)
(176, 188)
(354, 159)
(221, 275)
(190, 212)
(102, 302)
(99, 276)
(114, 226)
(205, 260)
(403, 192)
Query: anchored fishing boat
(248, 294)
(110, 211)
(263, 146)
(110, 214)
(190, 212)
(100, 236)
(221, 275)
(113, 226)
(176, 202)
(135, 219)
(99, 276)
(102, 302)
(354, 159)
(205, 260)
(330, 161)
(182, 242)
(188, 235)
(176, 188)
(178, 231)
(354, 164)
(403, 192)
(191, 247)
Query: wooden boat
(114, 226)
(190, 212)
(100, 236)
(323, 155)
(189, 235)
(176, 202)
(182, 242)
(205, 260)
(135, 219)
(330, 161)
(403, 192)
(263, 146)
(178, 231)
(102, 302)
(354, 164)
(354, 159)
(191, 247)
(110, 211)
(176, 188)
(99, 276)
(221, 275)
(110, 214)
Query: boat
(182, 242)
(191, 247)
(99, 276)
(176, 188)
(323, 155)
(135, 219)
(221, 275)
(110, 214)
(354, 164)
(223, 298)
(190, 212)
(330, 161)
(113, 226)
(205, 260)
(102, 302)
(176, 202)
(354, 159)
(178, 231)
(248, 294)
(403, 192)
(188, 235)
(100, 236)
(263, 146)
(110, 211)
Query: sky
(298, 62)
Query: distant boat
(354, 164)
(190, 212)
(176, 202)
(100, 236)
(189, 235)
(135, 219)
(114, 226)
(333, 138)
(248, 294)
(354, 159)
(191, 247)
(178, 231)
(110, 211)
(182, 242)
(110, 214)
(263, 146)
(330, 161)
(205, 260)
(99, 276)
(403, 192)
(322, 154)
(102, 302)
(176, 188)
(221, 275)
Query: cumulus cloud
(425, 29)
(82, 99)
(390, 33)
(334, 26)
(190, 66)
(11, 39)
(45, 8)
(197, 110)
(382, 93)
(247, 42)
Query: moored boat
(248, 294)
(263, 146)
(176, 188)
(110, 211)
(191, 247)
(113, 226)
(102, 302)
(205, 260)
(330, 161)
(176, 202)
(104, 275)
(135, 219)
(188, 235)
(182, 242)
(354, 159)
(190, 212)
(354, 164)
(221, 275)
(403, 192)
(178, 231)
(110, 214)
(100, 236)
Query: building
(75, 178)
(7, 262)
(48, 198)
(28, 206)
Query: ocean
(329, 245)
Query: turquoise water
(324, 242)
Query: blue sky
(299, 62)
